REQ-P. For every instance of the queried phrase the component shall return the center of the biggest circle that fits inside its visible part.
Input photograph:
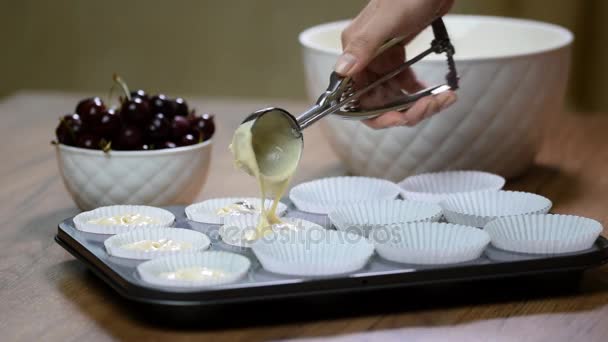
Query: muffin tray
(261, 285)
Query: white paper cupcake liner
(165, 218)
(438, 186)
(324, 195)
(235, 267)
(361, 218)
(206, 211)
(313, 252)
(478, 208)
(544, 234)
(237, 228)
(430, 243)
(115, 244)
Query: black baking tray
(379, 276)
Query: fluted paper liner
(324, 195)
(544, 234)
(115, 244)
(234, 265)
(206, 211)
(430, 243)
(235, 230)
(478, 208)
(165, 218)
(438, 186)
(361, 218)
(313, 252)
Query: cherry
(135, 111)
(161, 104)
(204, 124)
(69, 129)
(129, 138)
(168, 144)
(64, 135)
(89, 140)
(139, 93)
(90, 110)
(181, 107)
(188, 139)
(109, 124)
(179, 127)
(158, 128)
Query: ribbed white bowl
(156, 178)
(236, 229)
(362, 218)
(506, 84)
(323, 195)
(478, 208)
(430, 243)
(165, 218)
(544, 234)
(115, 245)
(206, 211)
(234, 265)
(437, 186)
(313, 252)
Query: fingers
(422, 109)
(390, 119)
(409, 82)
(382, 20)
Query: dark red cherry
(129, 138)
(179, 127)
(64, 135)
(109, 124)
(90, 110)
(204, 124)
(158, 128)
(188, 139)
(161, 104)
(167, 144)
(139, 93)
(68, 130)
(181, 107)
(89, 140)
(135, 111)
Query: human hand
(378, 22)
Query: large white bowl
(511, 72)
(156, 178)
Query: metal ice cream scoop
(341, 98)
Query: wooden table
(46, 294)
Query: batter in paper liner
(270, 152)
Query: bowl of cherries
(149, 149)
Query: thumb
(360, 48)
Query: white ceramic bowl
(156, 178)
(511, 72)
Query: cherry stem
(111, 92)
(106, 147)
(122, 85)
